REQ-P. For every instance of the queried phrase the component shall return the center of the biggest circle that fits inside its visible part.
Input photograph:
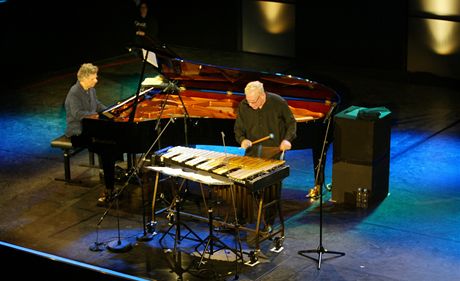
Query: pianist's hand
(285, 145)
(246, 143)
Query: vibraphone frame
(258, 195)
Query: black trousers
(108, 156)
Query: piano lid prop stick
(271, 136)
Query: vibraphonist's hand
(246, 143)
(285, 145)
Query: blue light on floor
(31, 133)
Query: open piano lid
(202, 76)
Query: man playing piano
(259, 115)
(81, 101)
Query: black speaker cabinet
(359, 139)
(348, 177)
(361, 154)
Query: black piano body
(198, 80)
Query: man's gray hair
(86, 70)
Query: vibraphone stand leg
(321, 250)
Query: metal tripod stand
(320, 251)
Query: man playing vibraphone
(259, 115)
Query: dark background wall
(201, 24)
(355, 33)
(41, 36)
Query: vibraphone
(250, 172)
(248, 177)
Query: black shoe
(105, 198)
(313, 193)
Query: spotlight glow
(277, 17)
(442, 7)
(444, 36)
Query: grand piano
(202, 100)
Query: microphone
(223, 142)
(270, 136)
(223, 138)
(328, 114)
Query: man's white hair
(254, 86)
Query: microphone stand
(119, 245)
(136, 100)
(321, 250)
(172, 88)
(163, 105)
(96, 247)
(147, 236)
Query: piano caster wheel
(151, 226)
(253, 257)
(278, 242)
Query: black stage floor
(411, 235)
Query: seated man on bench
(82, 101)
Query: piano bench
(64, 143)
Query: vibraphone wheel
(253, 258)
(278, 242)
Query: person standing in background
(146, 26)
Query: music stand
(321, 250)
(171, 86)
